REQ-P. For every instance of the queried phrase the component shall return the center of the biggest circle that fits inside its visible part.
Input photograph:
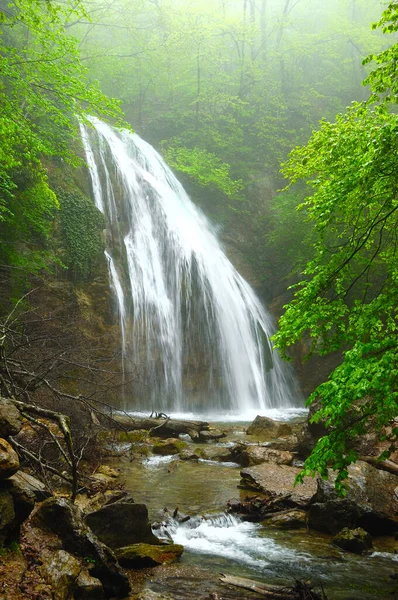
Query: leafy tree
(348, 298)
(43, 86)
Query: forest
(279, 119)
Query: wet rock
(60, 569)
(9, 461)
(333, 515)
(265, 429)
(291, 519)
(255, 455)
(211, 435)
(216, 453)
(7, 516)
(10, 418)
(88, 588)
(169, 447)
(371, 502)
(288, 443)
(139, 556)
(353, 540)
(276, 482)
(29, 485)
(121, 524)
(65, 520)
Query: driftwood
(276, 592)
(162, 427)
(383, 465)
(299, 591)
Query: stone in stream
(121, 524)
(276, 482)
(9, 461)
(371, 502)
(290, 519)
(265, 429)
(255, 455)
(168, 447)
(356, 540)
(139, 556)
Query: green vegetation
(43, 87)
(227, 89)
(349, 297)
(81, 224)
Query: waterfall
(190, 323)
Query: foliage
(81, 224)
(43, 86)
(204, 167)
(349, 297)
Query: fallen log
(384, 465)
(301, 590)
(164, 427)
(273, 592)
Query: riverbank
(218, 493)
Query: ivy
(81, 227)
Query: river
(217, 542)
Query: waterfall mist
(188, 320)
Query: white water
(189, 321)
(226, 536)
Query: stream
(216, 542)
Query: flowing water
(219, 542)
(194, 327)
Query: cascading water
(189, 321)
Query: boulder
(60, 569)
(371, 502)
(276, 482)
(9, 461)
(211, 435)
(288, 443)
(139, 556)
(255, 455)
(121, 524)
(265, 429)
(333, 515)
(10, 418)
(29, 485)
(65, 520)
(288, 519)
(216, 453)
(169, 447)
(7, 516)
(353, 540)
(88, 588)
(23, 497)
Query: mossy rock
(169, 447)
(356, 540)
(140, 556)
